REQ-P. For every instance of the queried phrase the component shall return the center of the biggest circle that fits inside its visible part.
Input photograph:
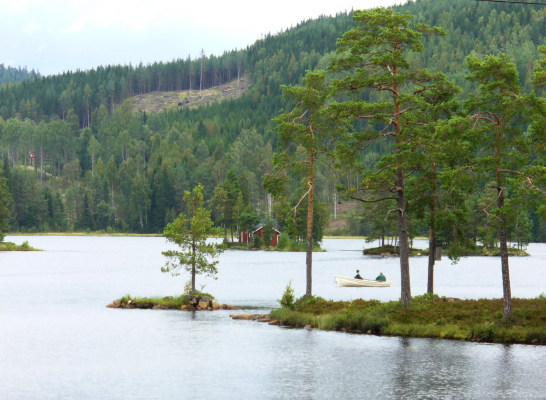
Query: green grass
(148, 302)
(168, 302)
(427, 317)
(8, 246)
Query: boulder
(203, 304)
(247, 317)
(115, 304)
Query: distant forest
(12, 75)
(77, 157)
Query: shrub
(283, 242)
(485, 331)
(308, 300)
(257, 242)
(426, 297)
(332, 321)
(287, 299)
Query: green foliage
(292, 318)
(6, 205)
(190, 232)
(257, 242)
(284, 241)
(25, 246)
(309, 301)
(11, 75)
(375, 56)
(288, 298)
(134, 167)
(168, 302)
(426, 297)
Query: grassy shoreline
(8, 246)
(479, 251)
(428, 317)
(120, 234)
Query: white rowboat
(352, 282)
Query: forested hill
(471, 27)
(77, 156)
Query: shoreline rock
(255, 317)
(195, 304)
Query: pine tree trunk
(403, 239)
(193, 268)
(401, 202)
(310, 205)
(507, 292)
(432, 236)
(431, 259)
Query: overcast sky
(53, 36)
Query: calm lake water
(58, 341)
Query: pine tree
(374, 56)
(302, 135)
(498, 108)
(190, 232)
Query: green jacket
(381, 277)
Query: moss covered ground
(427, 317)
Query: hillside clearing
(159, 101)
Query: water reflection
(505, 370)
(299, 363)
(402, 363)
(430, 369)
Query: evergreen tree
(374, 56)
(302, 135)
(190, 232)
(497, 108)
(5, 205)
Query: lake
(59, 341)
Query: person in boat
(357, 276)
(381, 277)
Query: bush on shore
(8, 246)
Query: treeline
(12, 75)
(83, 92)
(122, 173)
(76, 158)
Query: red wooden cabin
(247, 237)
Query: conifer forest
(468, 143)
